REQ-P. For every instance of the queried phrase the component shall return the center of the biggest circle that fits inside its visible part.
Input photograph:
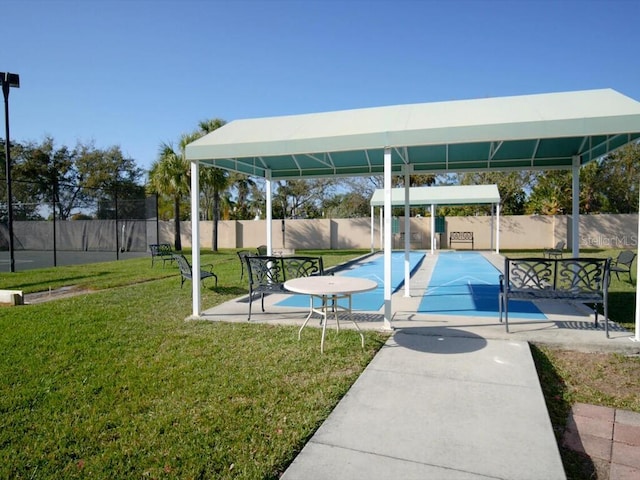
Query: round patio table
(329, 289)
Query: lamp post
(9, 80)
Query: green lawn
(116, 384)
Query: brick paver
(607, 434)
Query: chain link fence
(82, 220)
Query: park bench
(580, 280)
(267, 274)
(161, 251)
(186, 271)
(461, 237)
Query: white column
(491, 228)
(407, 231)
(497, 228)
(195, 239)
(433, 229)
(575, 207)
(387, 239)
(636, 337)
(381, 212)
(269, 195)
(372, 224)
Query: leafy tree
(301, 198)
(213, 181)
(169, 175)
(244, 208)
(552, 192)
(620, 176)
(111, 180)
(25, 207)
(592, 196)
(75, 179)
(511, 185)
(347, 205)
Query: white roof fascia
(440, 195)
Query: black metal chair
(241, 255)
(622, 264)
(186, 272)
(161, 251)
(262, 250)
(555, 252)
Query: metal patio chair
(622, 264)
(555, 252)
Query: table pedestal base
(329, 303)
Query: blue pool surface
(466, 283)
(374, 270)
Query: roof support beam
(269, 212)
(387, 239)
(493, 149)
(407, 229)
(195, 239)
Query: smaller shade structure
(443, 195)
(440, 195)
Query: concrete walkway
(438, 407)
(447, 397)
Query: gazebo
(443, 195)
(545, 131)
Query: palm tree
(214, 178)
(169, 175)
(243, 184)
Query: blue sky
(137, 73)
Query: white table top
(330, 285)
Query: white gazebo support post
(433, 229)
(269, 216)
(381, 212)
(387, 239)
(372, 224)
(195, 238)
(575, 207)
(636, 337)
(497, 228)
(407, 230)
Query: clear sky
(137, 73)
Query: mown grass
(116, 384)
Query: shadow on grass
(237, 291)
(576, 465)
(57, 280)
(622, 308)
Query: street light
(9, 80)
